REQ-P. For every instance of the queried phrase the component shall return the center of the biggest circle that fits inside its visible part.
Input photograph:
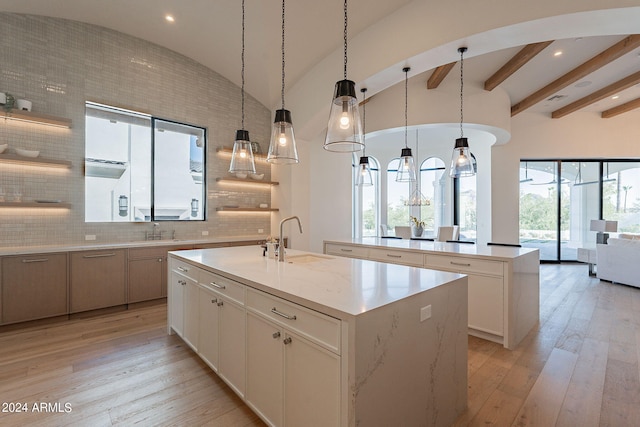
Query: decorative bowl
(257, 176)
(27, 153)
(3, 147)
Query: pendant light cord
(406, 97)
(345, 39)
(461, 50)
(242, 69)
(364, 120)
(282, 91)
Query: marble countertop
(499, 253)
(25, 250)
(334, 285)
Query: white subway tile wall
(58, 65)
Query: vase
(417, 230)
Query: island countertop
(336, 285)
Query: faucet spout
(281, 241)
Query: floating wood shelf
(228, 209)
(34, 161)
(34, 205)
(229, 152)
(247, 180)
(43, 119)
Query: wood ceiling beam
(603, 58)
(525, 55)
(624, 108)
(596, 96)
(439, 74)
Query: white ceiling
(208, 30)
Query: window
(397, 195)
(140, 168)
(465, 206)
(432, 185)
(367, 200)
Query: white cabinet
(209, 327)
(289, 363)
(231, 355)
(183, 298)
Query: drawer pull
(279, 313)
(276, 335)
(182, 282)
(346, 250)
(220, 304)
(184, 270)
(99, 255)
(462, 264)
(215, 285)
(159, 259)
(35, 260)
(215, 300)
(394, 256)
(287, 340)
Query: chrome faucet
(281, 241)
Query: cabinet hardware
(276, 335)
(214, 284)
(159, 259)
(182, 282)
(215, 300)
(99, 255)
(346, 250)
(279, 313)
(184, 270)
(460, 264)
(394, 256)
(221, 303)
(35, 260)
(286, 341)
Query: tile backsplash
(59, 65)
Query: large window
(432, 185)
(139, 168)
(397, 196)
(465, 204)
(366, 202)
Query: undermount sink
(306, 258)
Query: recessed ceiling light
(557, 53)
(615, 97)
(584, 83)
(169, 18)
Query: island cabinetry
(33, 287)
(97, 279)
(183, 315)
(293, 356)
(351, 251)
(415, 259)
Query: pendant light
(282, 148)
(344, 130)
(417, 198)
(364, 171)
(461, 163)
(406, 168)
(242, 157)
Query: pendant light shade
(344, 130)
(364, 177)
(417, 198)
(406, 168)
(461, 162)
(282, 147)
(242, 157)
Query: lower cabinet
(97, 279)
(33, 287)
(231, 346)
(147, 274)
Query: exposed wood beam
(596, 96)
(603, 58)
(525, 55)
(366, 101)
(626, 107)
(439, 74)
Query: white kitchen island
(504, 282)
(323, 340)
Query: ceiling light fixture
(461, 163)
(344, 130)
(406, 168)
(557, 53)
(282, 147)
(364, 177)
(242, 157)
(169, 18)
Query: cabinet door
(34, 287)
(311, 384)
(146, 279)
(177, 288)
(208, 339)
(486, 308)
(191, 314)
(232, 345)
(264, 368)
(97, 279)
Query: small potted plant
(417, 226)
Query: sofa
(619, 260)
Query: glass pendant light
(364, 171)
(417, 198)
(406, 168)
(461, 164)
(282, 147)
(344, 130)
(242, 157)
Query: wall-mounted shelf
(228, 209)
(34, 161)
(43, 119)
(229, 151)
(247, 180)
(34, 205)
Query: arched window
(432, 185)
(397, 194)
(366, 202)
(465, 206)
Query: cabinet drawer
(397, 257)
(222, 285)
(317, 327)
(143, 253)
(465, 265)
(346, 250)
(184, 268)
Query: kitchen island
(323, 340)
(504, 282)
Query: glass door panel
(621, 195)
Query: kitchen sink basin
(306, 258)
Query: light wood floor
(579, 368)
